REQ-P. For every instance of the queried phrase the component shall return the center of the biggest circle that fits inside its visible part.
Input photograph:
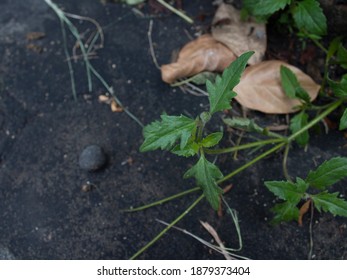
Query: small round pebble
(92, 158)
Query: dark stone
(92, 158)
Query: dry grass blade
(215, 235)
(207, 244)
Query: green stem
(180, 217)
(318, 44)
(162, 200)
(248, 164)
(244, 146)
(316, 120)
(177, 12)
(110, 90)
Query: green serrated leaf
(220, 92)
(309, 16)
(292, 192)
(206, 175)
(328, 173)
(212, 139)
(339, 88)
(166, 133)
(243, 123)
(343, 121)
(265, 7)
(329, 202)
(191, 149)
(296, 123)
(285, 212)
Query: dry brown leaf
(203, 54)
(260, 88)
(240, 36)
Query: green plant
(184, 136)
(327, 174)
(306, 15)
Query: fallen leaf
(238, 35)
(203, 54)
(260, 88)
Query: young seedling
(184, 136)
(327, 174)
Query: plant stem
(177, 12)
(248, 164)
(316, 120)
(244, 146)
(162, 200)
(110, 90)
(180, 217)
(318, 44)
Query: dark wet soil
(52, 209)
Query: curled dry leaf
(238, 35)
(260, 88)
(202, 54)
